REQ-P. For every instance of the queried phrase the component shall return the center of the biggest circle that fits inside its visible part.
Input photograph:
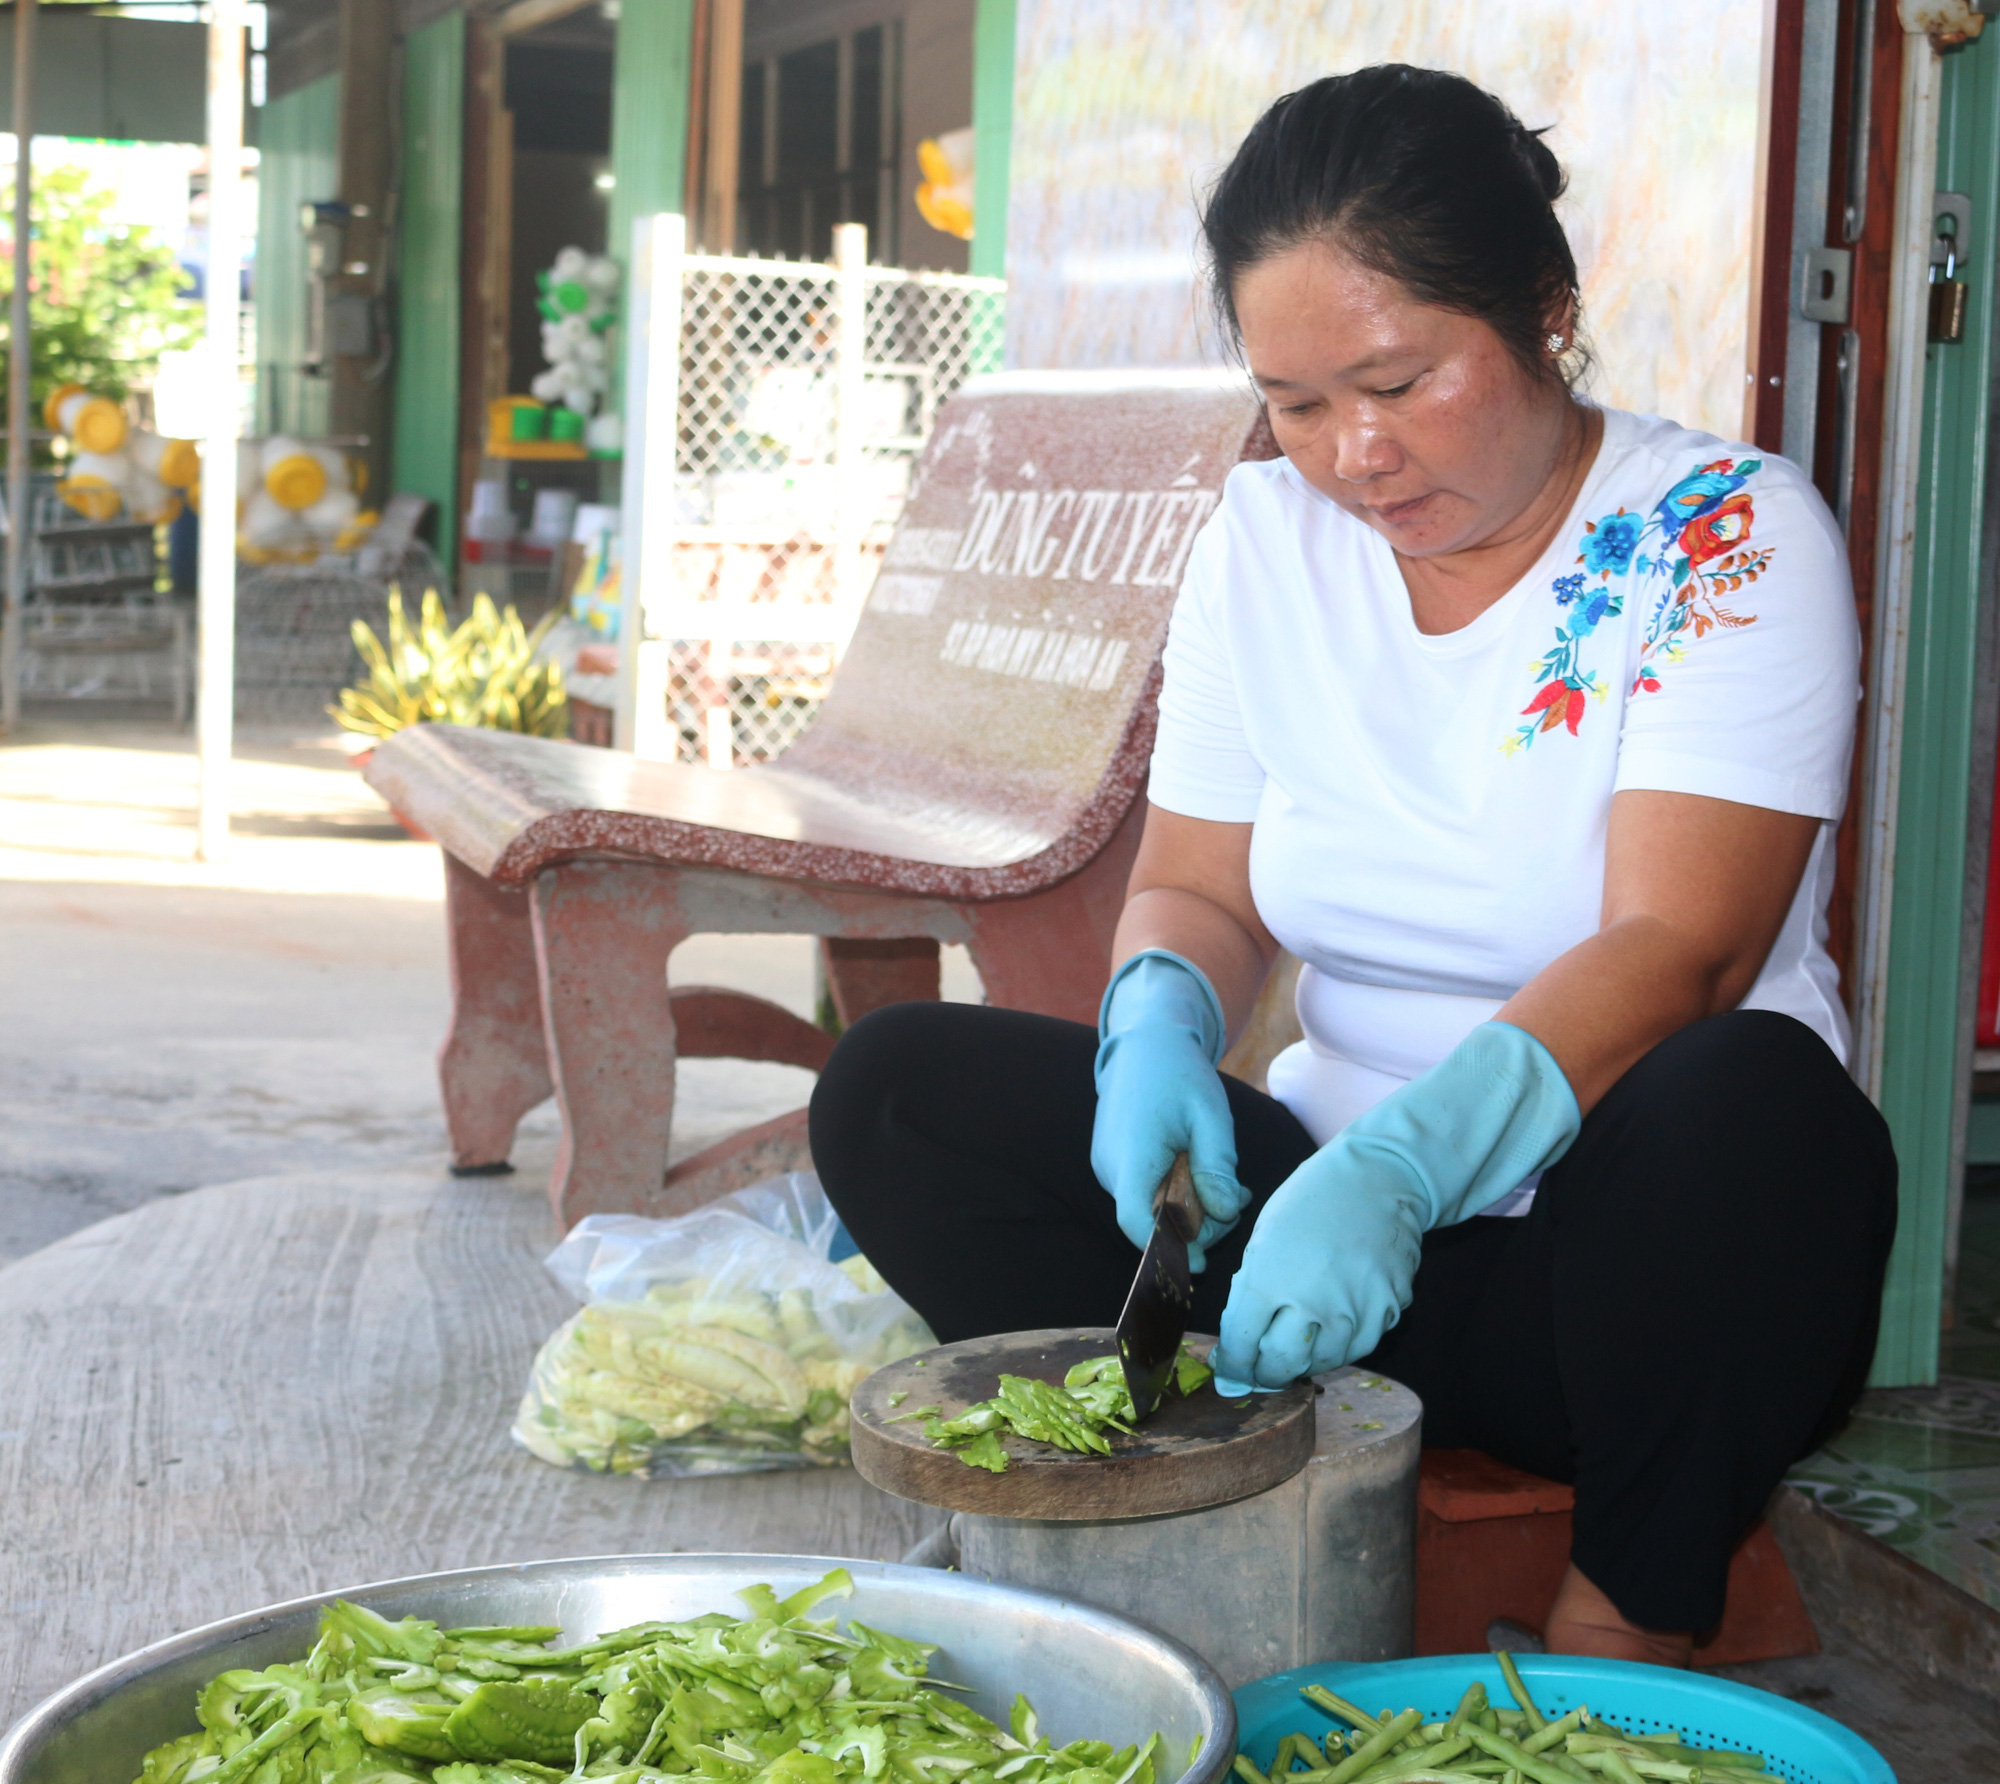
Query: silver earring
(1555, 343)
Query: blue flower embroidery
(1568, 588)
(1608, 547)
(1599, 605)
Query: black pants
(1689, 1307)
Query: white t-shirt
(1430, 811)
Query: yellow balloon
(100, 426)
(296, 482)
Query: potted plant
(483, 672)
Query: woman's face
(1414, 419)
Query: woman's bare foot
(1584, 1621)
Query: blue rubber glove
(1159, 1034)
(1329, 1266)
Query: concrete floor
(167, 1024)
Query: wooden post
(723, 117)
(360, 397)
(20, 364)
(216, 600)
(484, 256)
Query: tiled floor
(1920, 1467)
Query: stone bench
(974, 777)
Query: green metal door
(1926, 1024)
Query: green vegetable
(520, 1721)
(771, 1698)
(756, 1378)
(1093, 1399)
(1512, 1674)
(386, 1717)
(1479, 1744)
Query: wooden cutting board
(1194, 1451)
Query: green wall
(299, 145)
(1923, 1021)
(992, 134)
(650, 76)
(649, 114)
(424, 450)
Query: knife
(1156, 1311)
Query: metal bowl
(1090, 1673)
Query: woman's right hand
(1160, 1032)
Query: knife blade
(1162, 1295)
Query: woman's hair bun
(1548, 171)
(1419, 174)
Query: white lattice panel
(790, 473)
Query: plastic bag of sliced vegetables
(726, 1341)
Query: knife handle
(1175, 1199)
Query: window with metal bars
(820, 142)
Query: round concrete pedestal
(1321, 1567)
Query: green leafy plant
(106, 299)
(482, 673)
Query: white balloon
(146, 497)
(269, 525)
(333, 513)
(275, 447)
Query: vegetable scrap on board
(772, 1698)
(1093, 1399)
(1480, 1742)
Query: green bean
(1248, 1772)
(1376, 1745)
(1537, 1766)
(1644, 1753)
(1470, 1704)
(1512, 1674)
(1619, 1769)
(1324, 1699)
(1551, 1732)
(1425, 1759)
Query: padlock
(1947, 297)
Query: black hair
(1418, 174)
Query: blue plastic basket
(1797, 1743)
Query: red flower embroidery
(1559, 704)
(1714, 533)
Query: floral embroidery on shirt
(1699, 538)
(1563, 685)
(1708, 516)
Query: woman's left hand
(1330, 1264)
(1327, 1271)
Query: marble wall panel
(1126, 109)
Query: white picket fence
(803, 394)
